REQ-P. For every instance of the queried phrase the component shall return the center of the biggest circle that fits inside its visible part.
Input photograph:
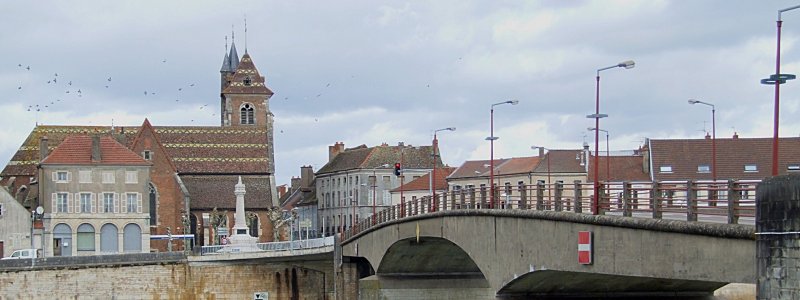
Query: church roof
(226, 64)
(193, 149)
(77, 150)
(247, 79)
(233, 57)
(209, 191)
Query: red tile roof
(503, 166)
(622, 168)
(77, 150)
(561, 161)
(423, 183)
(685, 155)
(475, 168)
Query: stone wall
(778, 237)
(172, 280)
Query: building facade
(356, 182)
(96, 188)
(15, 226)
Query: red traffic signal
(397, 169)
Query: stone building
(194, 168)
(95, 187)
(302, 198)
(358, 180)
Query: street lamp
(491, 139)
(596, 116)
(608, 153)
(433, 173)
(713, 137)
(548, 168)
(777, 79)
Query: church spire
(233, 56)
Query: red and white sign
(585, 247)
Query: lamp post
(777, 79)
(433, 173)
(608, 153)
(596, 116)
(548, 168)
(713, 137)
(491, 139)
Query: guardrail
(731, 200)
(270, 247)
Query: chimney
(541, 152)
(295, 183)
(43, 151)
(334, 150)
(306, 176)
(708, 136)
(735, 135)
(281, 190)
(401, 144)
(96, 148)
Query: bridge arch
(511, 249)
(427, 256)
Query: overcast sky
(367, 72)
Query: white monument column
(241, 239)
(240, 223)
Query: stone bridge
(485, 254)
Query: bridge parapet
(731, 201)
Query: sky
(372, 72)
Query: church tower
(244, 97)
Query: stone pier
(778, 238)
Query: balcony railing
(731, 202)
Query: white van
(24, 253)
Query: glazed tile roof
(423, 183)
(233, 150)
(622, 168)
(77, 150)
(209, 191)
(362, 157)
(685, 155)
(246, 69)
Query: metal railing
(731, 201)
(271, 246)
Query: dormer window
(751, 168)
(247, 114)
(793, 168)
(247, 81)
(703, 169)
(665, 169)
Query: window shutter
(94, 202)
(116, 202)
(53, 174)
(78, 205)
(54, 208)
(139, 202)
(69, 176)
(69, 203)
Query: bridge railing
(271, 246)
(728, 201)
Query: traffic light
(397, 169)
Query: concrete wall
(508, 244)
(15, 224)
(778, 225)
(172, 280)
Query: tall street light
(608, 153)
(491, 139)
(435, 154)
(596, 116)
(777, 79)
(548, 167)
(713, 137)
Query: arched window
(153, 205)
(109, 239)
(85, 237)
(132, 238)
(247, 114)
